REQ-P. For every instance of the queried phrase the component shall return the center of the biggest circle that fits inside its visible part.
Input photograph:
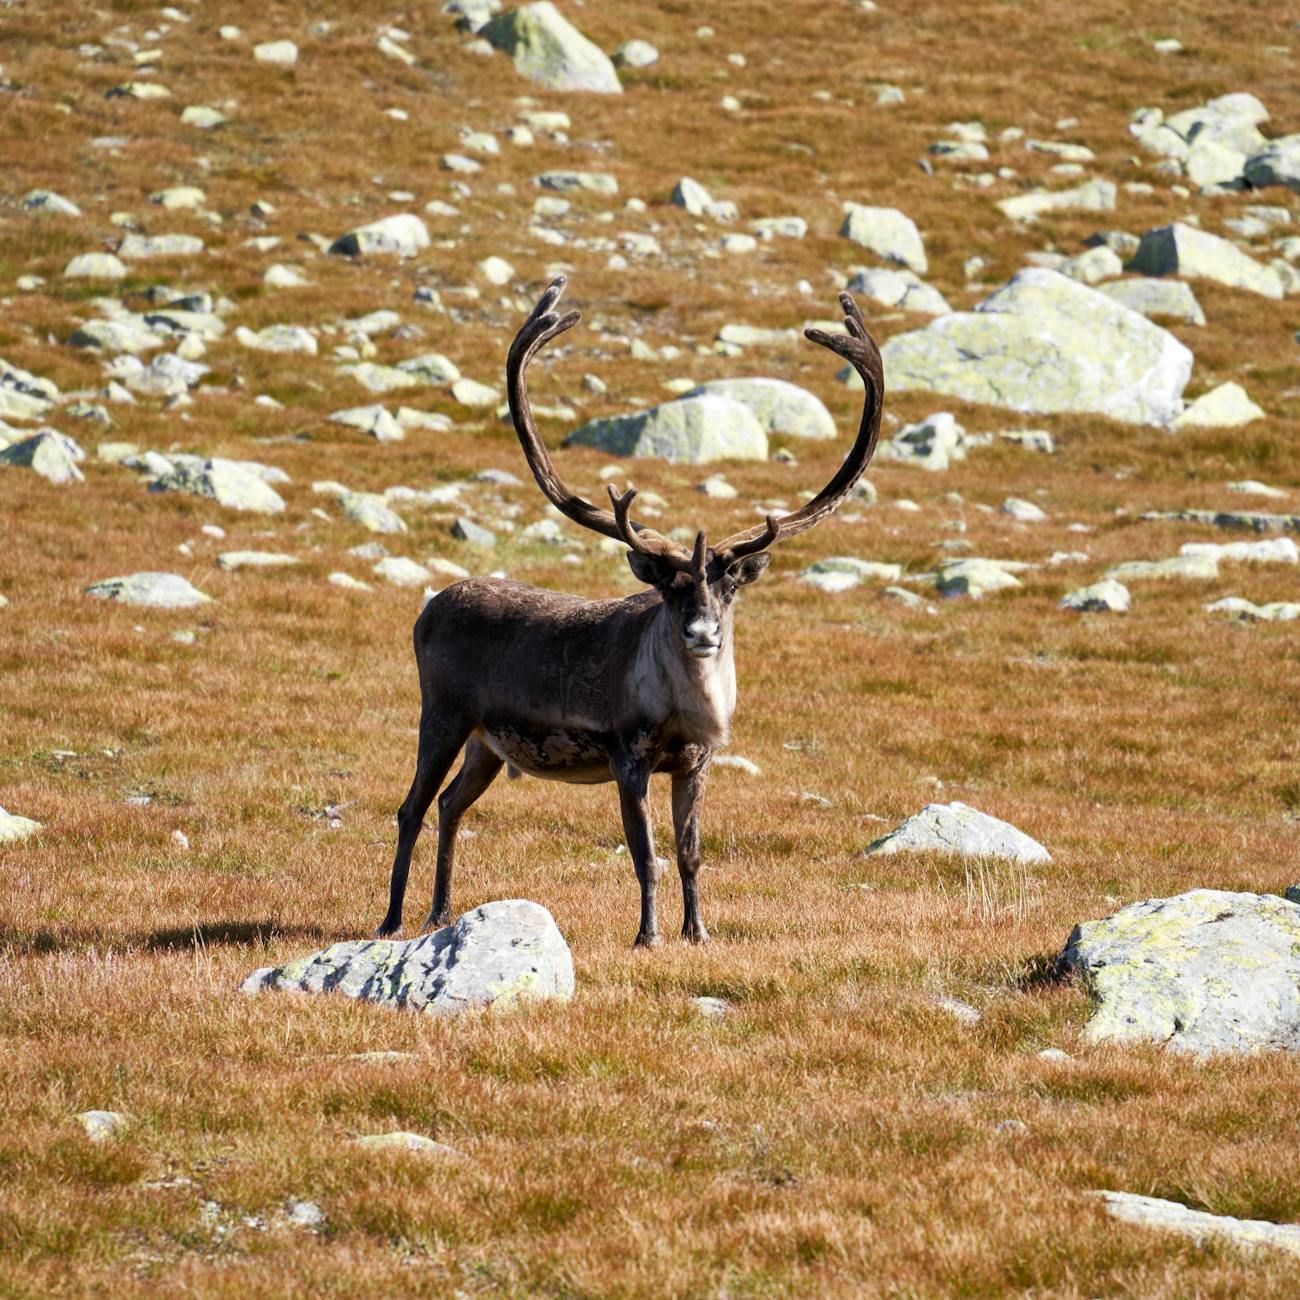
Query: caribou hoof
(388, 929)
(654, 940)
(437, 920)
(695, 934)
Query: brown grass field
(835, 1134)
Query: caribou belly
(552, 753)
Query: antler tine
(645, 540)
(859, 349)
(542, 325)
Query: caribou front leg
(633, 777)
(688, 804)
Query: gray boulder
(227, 482)
(1278, 163)
(888, 233)
(48, 203)
(498, 955)
(150, 590)
(404, 235)
(692, 196)
(548, 49)
(1107, 595)
(1170, 298)
(95, 266)
(1180, 249)
(125, 333)
(690, 431)
(1044, 343)
(1277, 611)
(1203, 568)
(374, 420)
(635, 54)
(143, 247)
(957, 828)
(1206, 971)
(372, 512)
(1171, 1216)
(779, 406)
(52, 455)
(903, 289)
(565, 182)
(977, 577)
(1093, 196)
(1224, 407)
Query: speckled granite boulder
(548, 49)
(690, 431)
(778, 405)
(1206, 971)
(958, 828)
(497, 955)
(1045, 343)
(1171, 1216)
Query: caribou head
(610, 690)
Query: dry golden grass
(836, 1134)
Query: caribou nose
(703, 637)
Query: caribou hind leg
(477, 772)
(441, 738)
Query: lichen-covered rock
(975, 577)
(150, 590)
(548, 49)
(887, 232)
(779, 406)
(1273, 550)
(142, 247)
(256, 560)
(1202, 568)
(52, 455)
(374, 420)
(14, 828)
(95, 266)
(933, 443)
(1044, 343)
(404, 235)
(1278, 163)
(1093, 196)
(1104, 596)
(957, 828)
(227, 482)
(1180, 249)
(899, 288)
(496, 956)
(103, 1125)
(692, 196)
(566, 182)
(1171, 298)
(372, 512)
(125, 333)
(1171, 1216)
(1224, 407)
(690, 431)
(1277, 611)
(1206, 971)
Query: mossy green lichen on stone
(548, 49)
(1044, 343)
(1206, 971)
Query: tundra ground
(836, 1134)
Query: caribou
(588, 691)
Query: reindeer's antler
(540, 328)
(858, 348)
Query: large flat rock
(1044, 343)
(1180, 249)
(1206, 971)
(496, 956)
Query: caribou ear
(651, 569)
(750, 569)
